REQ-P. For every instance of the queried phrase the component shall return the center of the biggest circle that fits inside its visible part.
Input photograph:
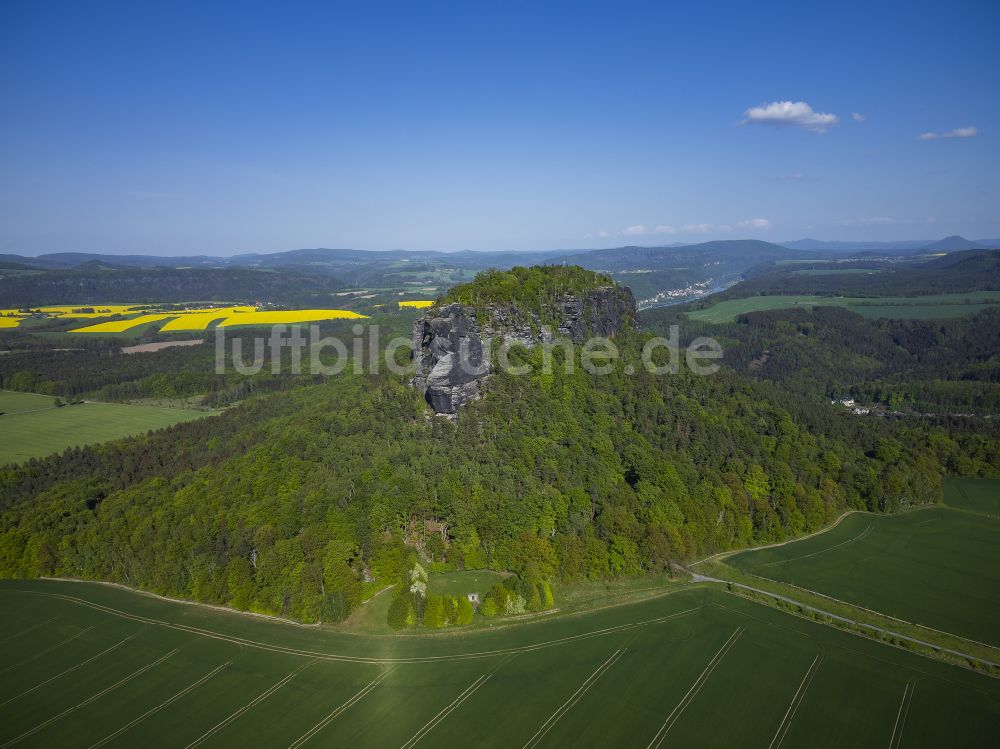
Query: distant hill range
(656, 275)
(948, 244)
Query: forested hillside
(283, 504)
(928, 366)
(101, 283)
(954, 273)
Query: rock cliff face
(452, 343)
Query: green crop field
(12, 402)
(918, 311)
(974, 495)
(914, 308)
(85, 664)
(32, 427)
(939, 567)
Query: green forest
(287, 503)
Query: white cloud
(641, 230)
(869, 221)
(958, 132)
(603, 234)
(790, 113)
(858, 117)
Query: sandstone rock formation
(452, 343)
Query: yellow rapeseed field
(201, 319)
(277, 317)
(120, 326)
(9, 322)
(417, 304)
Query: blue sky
(220, 128)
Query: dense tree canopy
(286, 503)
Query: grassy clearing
(463, 583)
(103, 666)
(938, 567)
(37, 433)
(915, 308)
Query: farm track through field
(847, 620)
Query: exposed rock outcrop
(452, 343)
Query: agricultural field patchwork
(915, 308)
(92, 665)
(278, 317)
(31, 426)
(120, 326)
(193, 319)
(939, 566)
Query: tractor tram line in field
(46, 651)
(319, 655)
(354, 699)
(573, 699)
(694, 689)
(451, 707)
(797, 698)
(153, 712)
(248, 706)
(26, 630)
(89, 700)
(166, 703)
(69, 670)
(901, 715)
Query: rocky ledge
(452, 343)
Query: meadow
(86, 664)
(913, 308)
(938, 567)
(32, 427)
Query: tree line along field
(913, 308)
(91, 665)
(938, 566)
(31, 426)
